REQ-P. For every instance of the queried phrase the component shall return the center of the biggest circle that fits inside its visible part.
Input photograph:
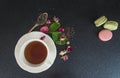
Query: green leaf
(60, 42)
(54, 26)
(56, 35)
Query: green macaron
(100, 21)
(111, 25)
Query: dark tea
(35, 52)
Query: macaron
(105, 35)
(100, 21)
(111, 25)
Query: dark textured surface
(91, 58)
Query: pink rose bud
(48, 22)
(62, 38)
(43, 37)
(56, 19)
(65, 58)
(61, 29)
(69, 49)
(44, 29)
(62, 52)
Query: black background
(90, 58)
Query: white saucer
(51, 56)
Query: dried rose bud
(61, 29)
(68, 42)
(62, 38)
(48, 22)
(43, 37)
(62, 52)
(44, 29)
(56, 19)
(69, 49)
(65, 57)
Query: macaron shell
(105, 35)
(111, 25)
(100, 21)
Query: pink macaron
(105, 35)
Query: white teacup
(22, 54)
(23, 43)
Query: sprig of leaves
(54, 27)
(56, 38)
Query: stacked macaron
(109, 26)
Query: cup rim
(22, 56)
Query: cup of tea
(34, 52)
(35, 55)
